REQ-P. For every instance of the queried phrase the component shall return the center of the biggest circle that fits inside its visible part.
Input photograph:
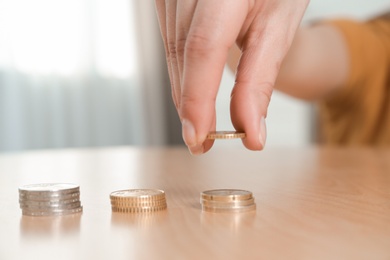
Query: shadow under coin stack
(138, 200)
(227, 200)
(50, 199)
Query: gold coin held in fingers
(225, 135)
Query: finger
(184, 14)
(214, 28)
(255, 77)
(203, 147)
(160, 7)
(170, 9)
(262, 55)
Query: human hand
(197, 36)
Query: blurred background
(88, 73)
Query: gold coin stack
(50, 199)
(138, 200)
(227, 200)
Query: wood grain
(312, 203)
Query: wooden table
(312, 203)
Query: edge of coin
(48, 202)
(138, 209)
(74, 205)
(151, 203)
(227, 204)
(159, 196)
(40, 213)
(73, 188)
(48, 196)
(229, 210)
(225, 135)
(207, 195)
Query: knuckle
(171, 49)
(195, 100)
(262, 90)
(198, 44)
(175, 49)
(189, 99)
(265, 90)
(180, 46)
(180, 43)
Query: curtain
(77, 73)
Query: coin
(226, 195)
(138, 200)
(51, 212)
(138, 209)
(225, 135)
(48, 202)
(48, 188)
(49, 197)
(138, 195)
(219, 204)
(137, 203)
(229, 210)
(51, 207)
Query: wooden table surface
(312, 203)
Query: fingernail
(263, 132)
(196, 150)
(189, 137)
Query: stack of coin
(50, 199)
(138, 200)
(227, 200)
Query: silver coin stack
(50, 199)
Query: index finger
(214, 28)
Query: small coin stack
(227, 200)
(138, 200)
(50, 199)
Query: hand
(197, 36)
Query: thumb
(263, 46)
(256, 74)
(248, 109)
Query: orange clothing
(359, 114)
